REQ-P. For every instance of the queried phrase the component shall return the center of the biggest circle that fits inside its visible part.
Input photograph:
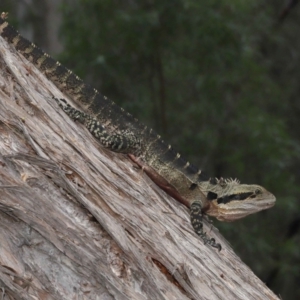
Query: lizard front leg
(197, 223)
(123, 142)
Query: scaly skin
(227, 200)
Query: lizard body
(117, 130)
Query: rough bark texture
(80, 222)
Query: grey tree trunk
(80, 222)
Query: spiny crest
(223, 182)
(4, 15)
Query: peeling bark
(80, 222)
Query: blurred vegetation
(220, 81)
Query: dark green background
(220, 81)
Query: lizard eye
(257, 191)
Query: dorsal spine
(156, 152)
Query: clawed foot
(72, 112)
(211, 242)
(62, 103)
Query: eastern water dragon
(225, 199)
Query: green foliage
(219, 79)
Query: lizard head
(228, 200)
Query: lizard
(119, 131)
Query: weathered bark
(80, 222)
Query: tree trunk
(80, 222)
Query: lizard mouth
(266, 202)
